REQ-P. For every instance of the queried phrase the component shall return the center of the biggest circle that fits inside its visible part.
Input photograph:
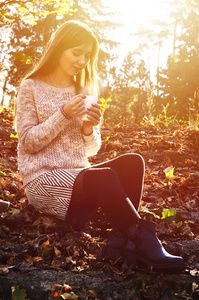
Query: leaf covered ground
(32, 243)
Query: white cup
(87, 103)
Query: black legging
(115, 186)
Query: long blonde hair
(68, 35)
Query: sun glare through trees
(149, 95)
(148, 61)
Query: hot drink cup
(88, 101)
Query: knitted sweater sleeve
(32, 135)
(92, 142)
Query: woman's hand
(94, 115)
(75, 107)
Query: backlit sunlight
(136, 14)
(140, 12)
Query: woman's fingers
(94, 113)
(79, 107)
(95, 110)
(75, 107)
(79, 101)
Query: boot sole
(140, 262)
(113, 253)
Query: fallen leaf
(169, 173)
(168, 213)
(57, 251)
(69, 296)
(18, 294)
(194, 287)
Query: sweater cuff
(88, 138)
(60, 119)
(92, 142)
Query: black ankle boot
(144, 247)
(115, 247)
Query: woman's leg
(101, 187)
(130, 168)
(130, 172)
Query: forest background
(148, 65)
(129, 92)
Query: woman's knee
(132, 158)
(100, 174)
(103, 172)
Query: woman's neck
(57, 80)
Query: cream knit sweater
(48, 140)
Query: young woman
(54, 146)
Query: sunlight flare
(140, 12)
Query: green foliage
(168, 213)
(14, 137)
(33, 23)
(18, 294)
(69, 296)
(161, 119)
(28, 35)
(175, 97)
(129, 93)
(3, 173)
(173, 100)
(107, 138)
(104, 104)
(14, 211)
(29, 12)
(179, 81)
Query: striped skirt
(51, 192)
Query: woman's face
(73, 60)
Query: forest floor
(38, 253)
